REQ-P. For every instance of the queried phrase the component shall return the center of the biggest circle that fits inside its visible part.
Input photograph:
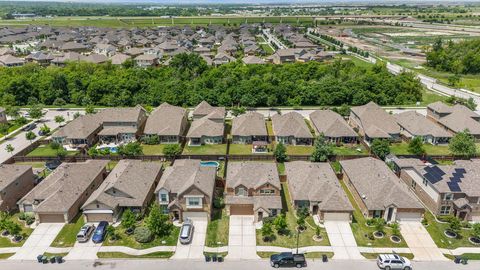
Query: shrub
(150, 140)
(395, 229)
(379, 224)
(454, 225)
(218, 202)
(280, 224)
(172, 150)
(112, 233)
(267, 231)
(128, 219)
(143, 235)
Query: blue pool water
(112, 149)
(209, 164)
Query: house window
(163, 197)
(425, 181)
(194, 202)
(445, 210)
(377, 213)
(267, 191)
(241, 191)
(274, 212)
(448, 196)
(413, 185)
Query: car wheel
(299, 265)
(276, 265)
(387, 267)
(407, 268)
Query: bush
(143, 235)
(218, 203)
(172, 150)
(151, 140)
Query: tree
(12, 227)
(59, 119)
(380, 148)
(301, 222)
(471, 104)
(237, 110)
(130, 149)
(280, 224)
(89, 109)
(35, 112)
(267, 231)
(395, 229)
(45, 129)
(128, 219)
(172, 150)
(454, 225)
(463, 144)
(4, 127)
(12, 111)
(157, 222)
(322, 149)
(30, 136)
(9, 148)
(280, 152)
(415, 147)
(454, 80)
(476, 230)
(59, 102)
(379, 224)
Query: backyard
(154, 149)
(430, 149)
(288, 240)
(208, 149)
(67, 236)
(355, 149)
(47, 151)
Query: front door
(389, 214)
(260, 215)
(462, 215)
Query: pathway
(342, 240)
(241, 238)
(420, 242)
(38, 242)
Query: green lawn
(68, 234)
(362, 232)
(373, 256)
(469, 256)
(217, 229)
(208, 149)
(336, 166)
(26, 231)
(289, 240)
(33, 164)
(120, 255)
(299, 150)
(402, 149)
(129, 240)
(281, 168)
(156, 149)
(240, 149)
(4, 256)
(436, 231)
(47, 151)
(356, 149)
(269, 128)
(48, 254)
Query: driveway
(420, 242)
(342, 241)
(84, 251)
(194, 250)
(242, 243)
(38, 242)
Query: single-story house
(249, 127)
(332, 126)
(454, 119)
(412, 125)
(291, 128)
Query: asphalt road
(228, 265)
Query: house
(455, 118)
(58, 198)
(444, 189)
(130, 185)
(168, 122)
(80, 132)
(73, 47)
(332, 126)
(316, 187)
(379, 192)
(3, 116)
(291, 128)
(146, 60)
(105, 49)
(121, 125)
(253, 188)
(204, 109)
(372, 122)
(253, 60)
(222, 58)
(206, 130)
(15, 182)
(186, 189)
(248, 128)
(284, 56)
(40, 58)
(96, 58)
(119, 58)
(412, 125)
(8, 60)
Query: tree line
(457, 57)
(188, 80)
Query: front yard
(25, 232)
(47, 151)
(364, 234)
(208, 149)
(289, 240)
(129, 240)
(436, 231)
(217, 229)
(120, 255)
(68, 234)
(402, 149)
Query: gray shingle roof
(249, 124)
(204, 109)
(252, 174)
(290, 124)
(10, 173)
(418, 125)
(165, 120)
(205, 127)
(375, 121)
(331, 124)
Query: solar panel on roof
(435, 170)
(461, 170)
(454, 187)
(432, 178)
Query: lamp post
(298, 236)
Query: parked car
(41, 133)
(288, 259)
(29, 127)
(100, 232)
(85, 232)
(186, 232)
(393, 261)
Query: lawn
(129, 240)
(289, 240)
(26, 231)
(240, 149)
(336, 166)
(47, 151)
(281, 168)
(155, 149)
(68, 234)
(436, 230)
(269, 128)
(217, 229)
(362, 232)
(469, 256)
(4, 256)
(402, 149)
(48, 254)
(356, 149)
(299, 150)
(208, 149)
(120, 255)
(38, 165)
(373, 256)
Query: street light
(298, 236)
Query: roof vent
(364, 197)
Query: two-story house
(208, 126)
(186, 189)
(15, 182)
(444, 189)
(454, 119)
(253, 188)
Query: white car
(393, 262)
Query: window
(377, 213)
(448, 196)
(163, 197)
(413, 185)
(274, 212)
(241, 191)
(267, 191)
(194, 202)
(445, 210)
(425, 181)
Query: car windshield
(185, 231)
(98, 232)
(401, 259)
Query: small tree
(318, 231)
(463, 144)
(45, 129)
(280, 224)
(380, 148)
(415, 147)
(172, 150)
(379, 225)
(322, 150)
(59, 119)
(471, 104)
(301, 222)
(128, 219)
(476, 230)
(267, 231)
(236, 111)
(9, 148)
(112, 233)
(157, 222)
(59, 102)
(395, 229)
(131, 149)
(89, 109)
(13, 111)
(35, 112)
(4, 127)
(30, 136)
(454, 225)
(12, 227)
(280, 152)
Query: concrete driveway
(342, 240)
(38, 242)
(194, 250)
(84, 251)
(420, 242)
(242, 242)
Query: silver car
(85, 232)
(186, 232)
(393, 262)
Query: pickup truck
(288, 259)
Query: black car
(100, 232)
(288, 259)
(30, 127)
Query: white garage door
(333, 216)
(409, 216)
(194, 215)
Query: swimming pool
(113, 150)
(209, 164)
